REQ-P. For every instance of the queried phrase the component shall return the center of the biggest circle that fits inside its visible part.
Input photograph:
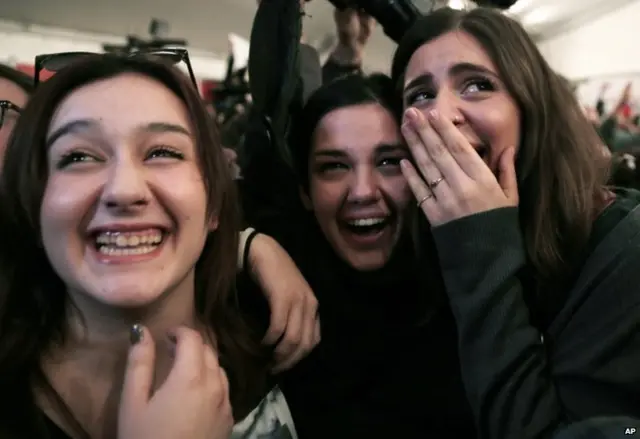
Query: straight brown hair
(33, 301)
(560, 166)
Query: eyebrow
(383, 148)
(79, 125)
(454, 70)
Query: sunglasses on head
(54, 62)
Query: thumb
(138, 376)
(507, 175)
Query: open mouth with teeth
(128, 243)
(367, 226)
(367, 233)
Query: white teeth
(113, 251)
(367, 222)
(109, 241)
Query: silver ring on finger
(433, 183)
(423, 199)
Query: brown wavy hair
(33, 301)
(560, 166)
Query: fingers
(138, 376)
(457, 147)
(436, 160)
(317, 332)
(280, 310)
(218, 382)
(421, 157)
(189, 361)
(507, 175)
(421, 192)
(292, 338)
(299, 344)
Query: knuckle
(285, 348)
(438, 148)
(277, 328)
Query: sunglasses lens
(57, 62)
(166, 56)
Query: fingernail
(433, 114)
(136, 334)
(410, 114)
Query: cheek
(64, 209)
(185, 196)
(499, 126)
(326, 198)
(398, 190)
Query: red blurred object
(30, 70)
(207, 86)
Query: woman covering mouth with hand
(539, 258)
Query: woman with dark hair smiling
(539, 258)
(387, 365)
(118, 262)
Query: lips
(366, 232)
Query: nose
(447, 103)
(126, 188)
(364, 187)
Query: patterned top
(271, 419)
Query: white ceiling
(206, 23)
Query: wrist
(347, 55)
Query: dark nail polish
(136, 334)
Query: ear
(306, 201)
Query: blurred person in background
(353, 27)
(15, 88)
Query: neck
(102, 326)
(87, 370)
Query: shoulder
(607, 285)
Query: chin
(118, 294)
(369, 262)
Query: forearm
(503, 359)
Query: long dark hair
(33, 301)
(561, 169)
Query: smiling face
(454, 74)
(357, 191)
(124, 211)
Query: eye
(418, 97)
(390, 162)
(73, 158)
(478, 85)
(326, 167)
(165, 152)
